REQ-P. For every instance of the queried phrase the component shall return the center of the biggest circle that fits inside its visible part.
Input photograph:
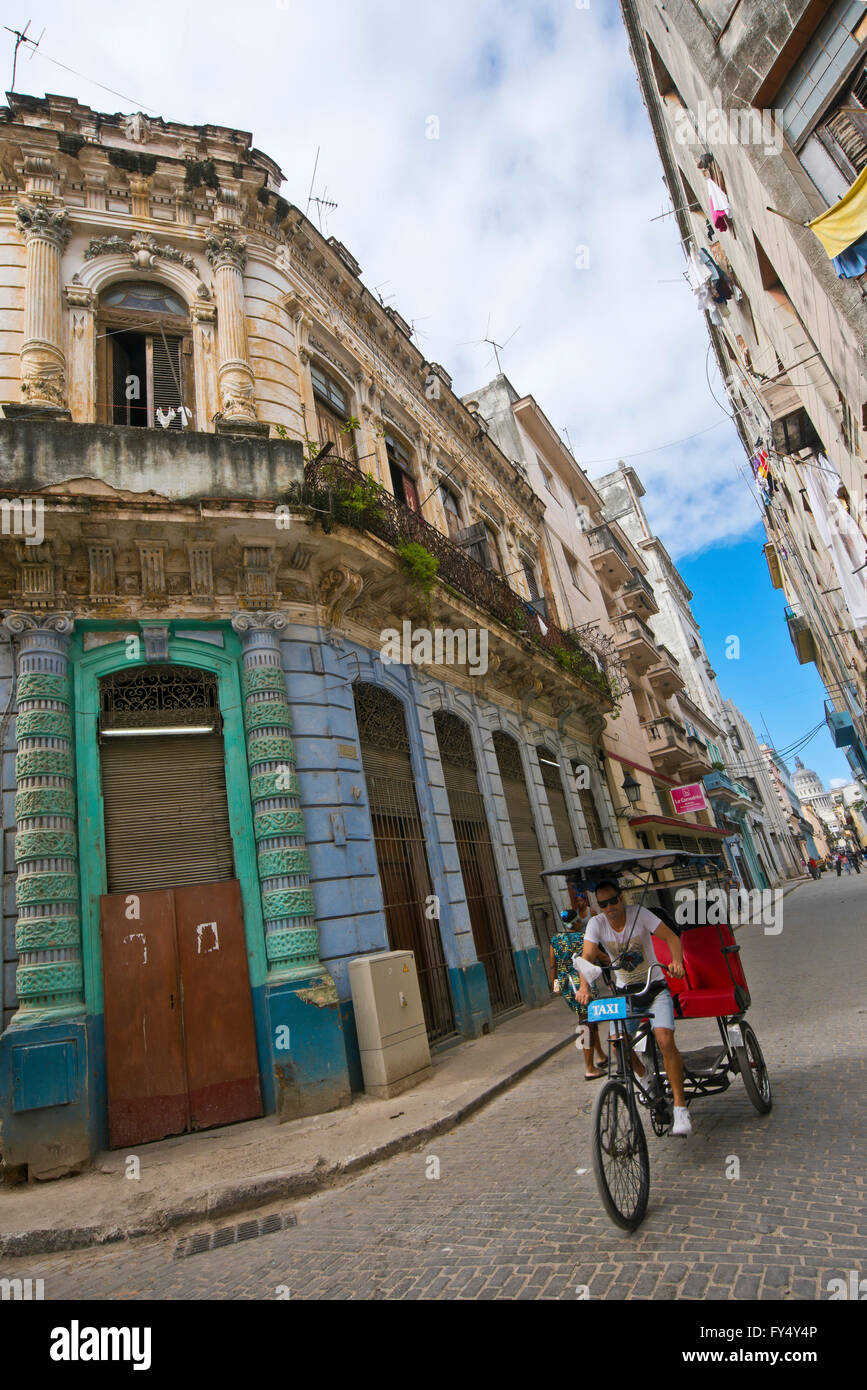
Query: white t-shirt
(641, 924)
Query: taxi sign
(600, 1009)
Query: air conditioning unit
(389, 1020)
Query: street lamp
(632, 790)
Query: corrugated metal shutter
(557, 803)
(168, 378)
(166, 812)
(591, 819)
(530, 860)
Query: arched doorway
(179, 1029)
(144, 356)
(400, 850)
(476, 857)
(523, 825)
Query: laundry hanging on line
(720, 211)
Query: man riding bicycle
(615, 929)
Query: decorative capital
(17, 621)
(43, 223)
(226, 250)
(259, 620)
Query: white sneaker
(682, 1122)
(646, 1081)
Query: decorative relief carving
(339, 588)
(46, 223)
(143, 251)
(137, 127)
(226, 250)
(258, 620)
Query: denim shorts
(660, 1013)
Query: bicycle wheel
(620, 1162)
(757, 1083)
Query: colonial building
(697, 709)
(277, 687)
(759, 111)
(597, 575)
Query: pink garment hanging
(719, 206)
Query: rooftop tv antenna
(322, 202)
(20, 38)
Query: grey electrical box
(392, 1037)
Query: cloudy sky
(530, 213)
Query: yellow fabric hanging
(846, 221)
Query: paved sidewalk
(201, 1176)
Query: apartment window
(665, 84)
(452, 509)
(574, 570)
(332, 413)
(549, 481)
(493, 549)
(820, 67)
(664, 800)
(692, 203)
(530, 576)
(144, 348)
(400, 468)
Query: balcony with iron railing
(341, 494)
(635, 641)
(664, 675)
(802, 637)
(639, 591)
(723, 788)
(666, 741)
(608, 557)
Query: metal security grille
(166, 812)
(165, 807)
(591, 818)
(400, 850)
(476, 858)
(526, 840)
(557, 802)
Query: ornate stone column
(43, 363)
(291, 937)
(228, 255)
(48, 930)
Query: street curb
(208, 1204)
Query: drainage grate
(230, 1235)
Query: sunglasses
(607, 902)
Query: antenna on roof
(20, 38)
(322, 202)
(498, 347)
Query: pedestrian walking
(568, 943)
(838, 864)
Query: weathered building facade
(273, 675)
(758, 110)
(598, 576)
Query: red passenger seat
(708, 990)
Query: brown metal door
(146, 1073)
(219, 1033)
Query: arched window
(144, 357)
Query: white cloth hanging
(718, 200)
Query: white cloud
(544, 148)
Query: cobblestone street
(514, 1212)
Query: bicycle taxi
(714, 986)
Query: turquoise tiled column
(49, 979)
(291, 938)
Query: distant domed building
(810, 792)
